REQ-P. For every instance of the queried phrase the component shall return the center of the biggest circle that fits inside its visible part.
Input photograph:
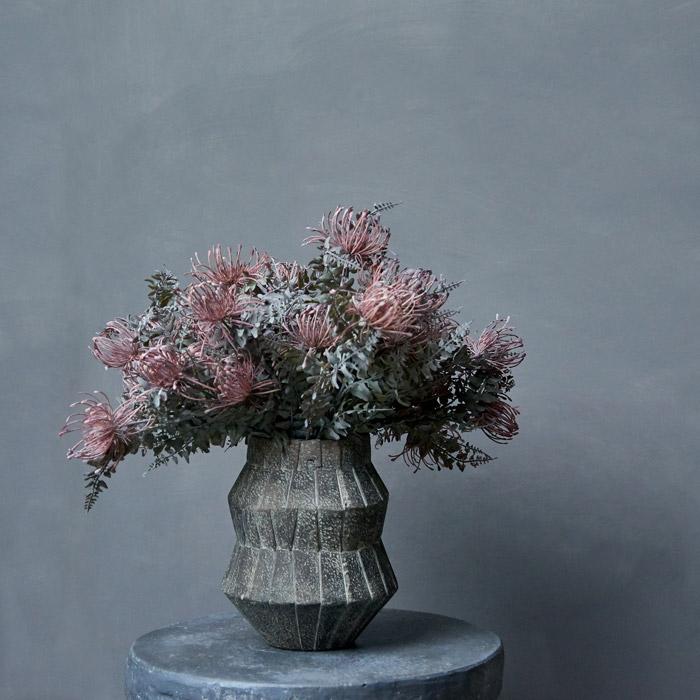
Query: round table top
(401, 654)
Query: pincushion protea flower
(498, 345)
(219, 361)
(106, 432)
(312, 329)
(212, 307)
(399, 304)
(237, 380)
(117, 345)
(360, 236)
(499, 421)
(225, 269)
(162, 367)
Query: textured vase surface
(309, 570)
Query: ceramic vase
(309, 570)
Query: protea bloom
(211, 306)
(499, 421)
(498, 345)
(225, 269)
(312, 329)
(107, 433)
(117, 345)
(162, 367)
(360, 236)
(400, 304)
(237, 379)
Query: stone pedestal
(402, 655)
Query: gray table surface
(402, 654)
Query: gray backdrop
(546, 152)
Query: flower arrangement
(349, 343)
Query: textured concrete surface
(309, 570)
(403, 654)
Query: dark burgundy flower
(499, 421)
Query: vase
(309, 570)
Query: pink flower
(237, 380)
(224, 269)
(499, 421)
(213, 306)
(360, 236)
(401, 304)
(162, 367)
(498, 345)
(106, 433)
(117, 345)
(312, 329)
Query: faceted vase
(309, 570)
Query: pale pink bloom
(499, 421)
(360, 236)
(498, 345)
(107, 433)
(400, 304)
(312, 329)
(237, 380)
(213, 306)
(225, 269)
(117, 345)
(162, 367)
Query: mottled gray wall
(546, 152)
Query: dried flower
(117, 345)
(162, 367)
(213, 306)
(399, 304)
(237, 380)
(225, 269)
(498, 345)
(212, 363)
(359, 236)
(499, 421)
(312, 329)
(106, 433)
